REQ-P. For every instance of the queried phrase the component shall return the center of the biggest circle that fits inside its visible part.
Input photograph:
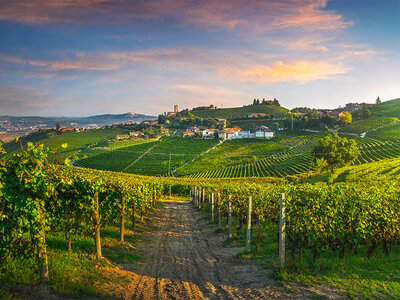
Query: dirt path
(186, 260)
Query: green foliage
(345, 118)
(156, 159)
(337, 151)
(26, 189)
(242, 112)
(390, 132)
(279, 157)
(359, 127)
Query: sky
(88, 57)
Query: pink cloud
(213, 15)
(298, 71)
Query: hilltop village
(260, 119)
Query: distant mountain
(32, 123)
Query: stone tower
(175, 108)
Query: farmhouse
(229, 133)
(235, 133)
(188, 133)
(69, 129)
(194, 129)
(135, 133)
(165, 131)
(209, 133)
(264, 132)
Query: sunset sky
(87, 57)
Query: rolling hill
(241, 112)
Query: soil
(186, 259)
(182, 257)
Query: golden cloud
(298, 71)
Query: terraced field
(359, 127)
(116, 160)
(391, 132)
(152, 158)
(294, 160)
(372, 150)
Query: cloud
(18, 100)
(298, 71)
(260, 16)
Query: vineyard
(77, 141)
(152, 158)
(372, 150)
(241, 112)
(294, 159)
(359, 127)
(391, 132)
(38, 199)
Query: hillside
(76, 141)
(241, 112)
(389, 108)
(153, 158)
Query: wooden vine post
(44, 264)
(133, 215)
(96, 221)
(219, 210)
(144, 201)
(204, 199)
(282, 228)
(212, 207)
(230, 215)
(122, 227)
(248, 232)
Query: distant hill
(29, 123)
(241, 112)
(389, 108)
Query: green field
(241, 112)
(389, 108)
(233, 153)
(76, 141)
(155, 162)
(294, 158)
(367, 125)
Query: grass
(155, 162)
(389, 108)
(74, 274)
(355, 275)
(76, 141)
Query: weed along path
(183, 258)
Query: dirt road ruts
(186, 259)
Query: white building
(229, 133)
(209, 133)
(264, 132)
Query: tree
(366, 113)
(57, 126)
(328, 120)
(276, 102)
(345, 118)
(336, 151)
(378, 100)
